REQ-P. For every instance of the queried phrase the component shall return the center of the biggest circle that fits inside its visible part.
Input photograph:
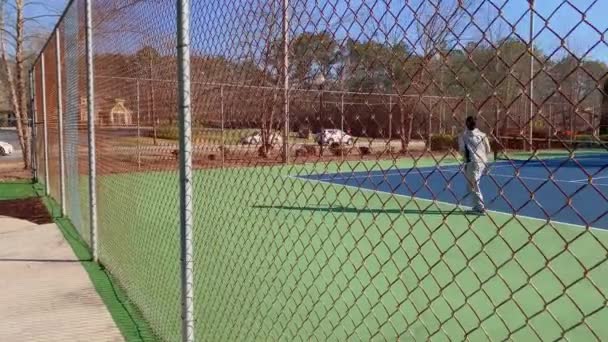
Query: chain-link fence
(332, 197)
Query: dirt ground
(30, 209)
(13, 170)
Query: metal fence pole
(185, 170)
(286, 78)
(91, 131)
(390, 119)
(60, 123)
(551, 123)
(222, 118)
(45, 127)
(593, 121)
(33, 149)
(342, 123)
(138, 129)
(531, 114)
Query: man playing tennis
(474, 146)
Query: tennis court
(553, 186)
(351, 258)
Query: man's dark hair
(471, 123)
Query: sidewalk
(45, 292)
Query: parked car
(256, 139)
(331, 136)
(5, 149)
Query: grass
(230, 136)
(279, 258)
(18, 190)
(209, 135)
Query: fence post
(342, 122)
(390, 119)
(551, 123)
(138, 129)
(33, 149)
(531, 114)
(286, 79)
(185, 169)
(60, 122)
(222, 118)
(91, 131)
(45, 126)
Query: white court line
(412, 172)
(585, 180)
(565, 224)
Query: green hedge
(443, 142)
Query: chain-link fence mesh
(50, 67)
(75, 138)
(331, 198)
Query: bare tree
(263, 24)
(15, 79)
(436, 23)
(15, 37)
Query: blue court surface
(571, 191)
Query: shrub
(264, 152)
(338, 150)
(540, 133)
(443, 142)
(167, 132)
(302, 152)
(365, 150)
(495, 145)
(584, 137)
(171, 132)
(310, 149)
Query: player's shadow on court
(350, 210)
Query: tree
(21, 37)
(146, 61)
(578, 87)
(386, 68)
(262, 23)
(312, 54)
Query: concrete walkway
(45, 293)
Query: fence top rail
(215, 85)
(218, 85)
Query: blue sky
(46, 11)
(581, 33)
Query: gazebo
(120, 114)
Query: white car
(256, 139)
(331, 136)
(5, 148)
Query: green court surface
(281, 258)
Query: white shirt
(474, 146)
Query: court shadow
(350, 210)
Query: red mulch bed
(31, 209)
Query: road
(9, 135)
